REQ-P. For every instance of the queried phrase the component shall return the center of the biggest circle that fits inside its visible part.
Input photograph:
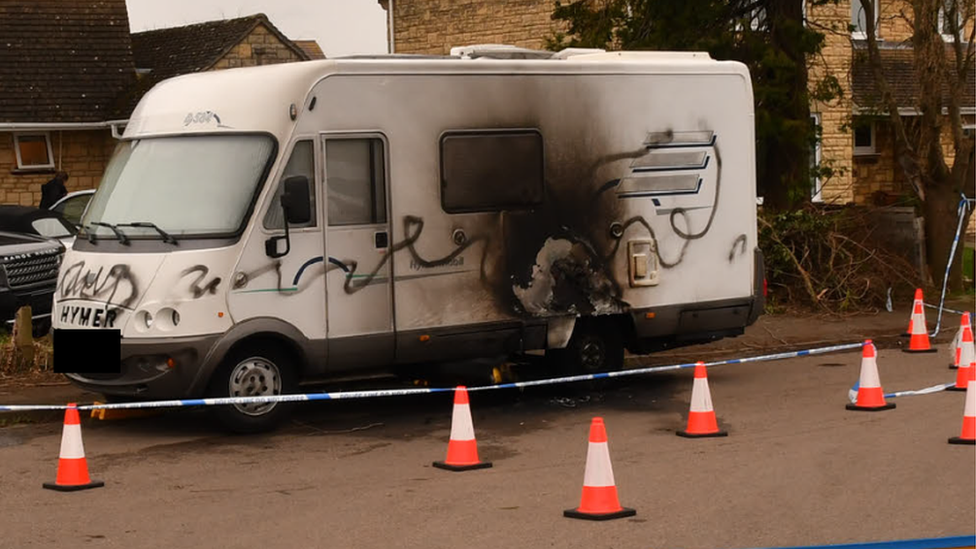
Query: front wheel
(596, 346)
(263, 370)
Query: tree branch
(907, 157)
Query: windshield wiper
(122, 238)
(88, 232)
(147, 224)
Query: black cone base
(450, 467)
(931, 350)
(955, 388)
(960, 440)
(73, 487)
(575, 513)
(855, 407)
(686, 434)
(953, 367)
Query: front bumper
(40, 301)
(145, 373)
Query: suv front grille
(31, 269)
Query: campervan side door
(359, 266)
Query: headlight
(147, 319)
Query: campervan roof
(261, 98)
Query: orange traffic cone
(964, 326)
(72, 466)
(870, 396)
(918, 329)
(462, 449)
(701, 418)
(967, 361)
(968, 435)
(911, 318)
(599, 500)
(957, 347)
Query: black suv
(28, 276)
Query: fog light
(170, 362)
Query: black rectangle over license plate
(87, 351)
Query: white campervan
(263, 226)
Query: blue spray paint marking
(339, 264)
(307, 264)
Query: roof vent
(499, 51)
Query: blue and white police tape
(852, 393)
(946, 309)
(342, 395)
(962, 209)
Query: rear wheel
(255, 370)
(596, 346)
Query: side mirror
(296, 200)
(297, 205)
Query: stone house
(857, 145)
(71, 73)
(62, 66)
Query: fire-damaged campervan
(264, 226)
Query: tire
(254, 370)
(596, 346)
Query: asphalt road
(797, 469)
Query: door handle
(381, 240)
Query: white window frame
(859, 35)
(50, 151)
(949, 37)
(816, 194)
(870, 150)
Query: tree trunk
(787, 159)
(941, 219)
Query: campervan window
(301, 162)
(201, 185)
(356, 181)
(485, 171)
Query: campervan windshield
(185, 186)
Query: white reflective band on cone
(598, 470)
(966, 354)
(869, 374)
(701, 398)
(71, 446)
(462, 428)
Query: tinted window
(301, 162)
(491, 171)
(356, 180)
(50, 227)
(73, 208)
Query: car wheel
(264, 370)
(596, 346)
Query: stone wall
(837, 145)
(435, 26)
(83, 154)
(261, 47)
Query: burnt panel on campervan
(491, 170)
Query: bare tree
(941, 75)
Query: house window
(815, 183)
(859, 19)
(301, 162)
(33, 151)
(864, 138)
(488, 171)
(946, 12)
(356, 180)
